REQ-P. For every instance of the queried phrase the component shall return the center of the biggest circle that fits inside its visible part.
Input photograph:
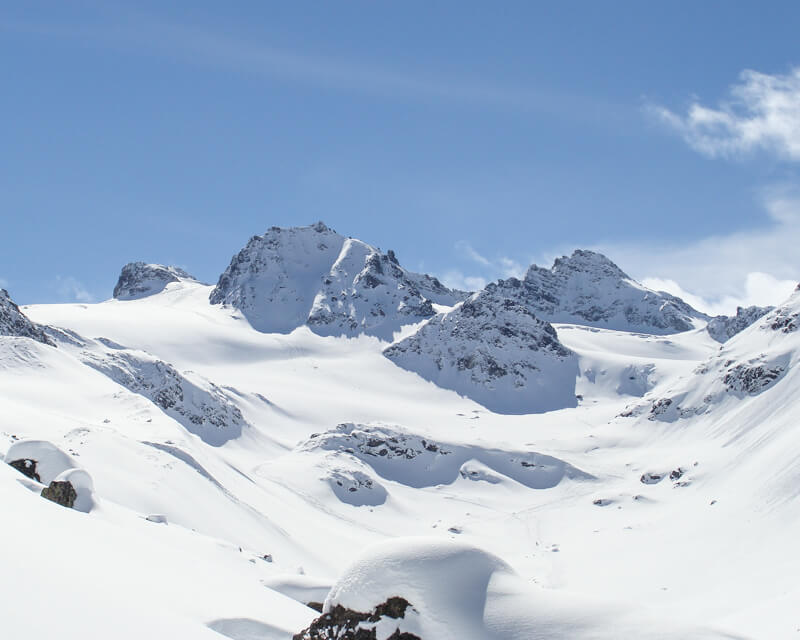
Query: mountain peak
(588, 288)
(140, 279)
(313, 276)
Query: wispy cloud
(466, 248)
(762, 111)
(139, 33)
(72, 290)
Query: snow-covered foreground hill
(227, 477)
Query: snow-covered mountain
(337, 286)
(566, 455)
(587, 288)
(493, 350)
(139, 279)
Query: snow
(189, 536)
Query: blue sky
(471, 138)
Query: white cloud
(759, 289)
(70, 289)
(719, 272)
(456, 279)
(761, 112)
(466, 248)
(3, 283)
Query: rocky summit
(139, 280)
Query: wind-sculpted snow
(337, 286)
(442, 590)
(723, 328)
(418, 462)
(495, 351)
(139, 280)
(15, 323)
(198, 404)
(587, 288)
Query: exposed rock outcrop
(341, 623)
(15, 323)
(723, 328)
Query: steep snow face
(15, 323)
(335, 285)
(493, 350)
(139, 280)
(723, 328)
(273, 281)
(587, 288)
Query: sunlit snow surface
(627, 523)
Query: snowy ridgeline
(751, 361)
(198, 404)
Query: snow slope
(600, 519)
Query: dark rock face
(27, 467)
(15, 323)
(587, 288)
(61, 492)
(139, 280)
(345, 624)
(723, 328)
(752, 380)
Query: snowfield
(234, 462)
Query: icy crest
(588, 288)
(139, 280)
(494, 350)
(337, 286)
(15, 323)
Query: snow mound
(723, 328)
(139, 280)
(311, 275)
(495, 351)
(419, 462)
(50, 461)
(587, 288)
(15, 323)
(458, 592)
